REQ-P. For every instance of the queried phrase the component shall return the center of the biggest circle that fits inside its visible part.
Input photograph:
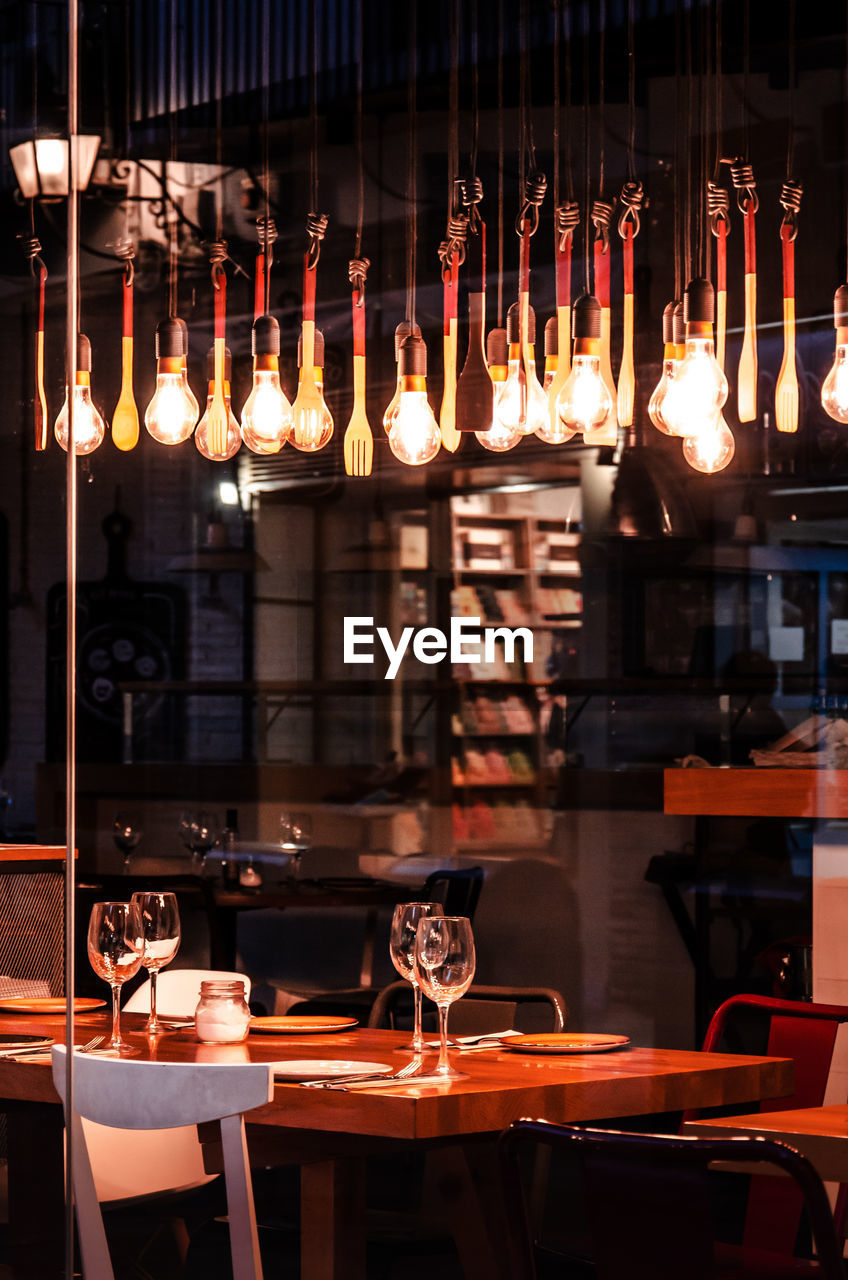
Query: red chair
(782, 1029)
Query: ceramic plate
(294, 1026)
(317, 1068)
(8, 1042)
(566, 1042)
(48, 1004)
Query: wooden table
(330, 1133)
(820, 1133)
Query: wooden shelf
(751, 792)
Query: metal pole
(71, 618)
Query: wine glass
(160, 927)
(444, 967)
(402, 950)
(115, 949)
(203, 834)
(295, 839)
(127, 832)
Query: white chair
(129, 1166)
(126, 1093)
(178, 991)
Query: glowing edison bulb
(312, 423)
(672, 355)
(712, 450)
(414, 435)
(554, 430)
(585, 403)
(201, 436)
(172, 413)
(403, 330)
(834, 395)
(498, 439)
(267, 414)
(696, 394)
(522, 404)
(89, 427)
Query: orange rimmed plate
(294, 1026)
(566, 1042)
(48, 1004)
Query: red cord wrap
(308, 290)
(721, 257)
(128, 307)
(750, 239)
(259, 287)
(563, 274)
(358, 324)
(788, 260)
(449, 292)
(602, 273)
(627, 254)
(524, 261)
(221, 304)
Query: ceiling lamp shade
(647, 500)
(41, 165)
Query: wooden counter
(757, 793)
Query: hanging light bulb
(201, 436)
(498, 439)
(173, 410)
(403, 330)
(696, 394)
(673, 353)
(585, 402)
(312, 423)
(89, 427)
(522, 404)
(554, 431)
(267, 414)
(834, 394)
(414, 436)
(712, 450)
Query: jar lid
(222, 987)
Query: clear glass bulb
(233, 441)
(656, 403)
(390, 408)
(712, 450)
(498, 439)
(311, 428)
(89, 427)
(584, 404)
(267, 413)
(522, 404)
(414, 436)
(172, 413)
(834, 395)
(696, 395)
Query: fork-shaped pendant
(358, 440)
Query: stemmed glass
(115, 948)
(444, 967)
(295, 839)
(127, 833)
(204, 833)
(402, 950)
(160, 927)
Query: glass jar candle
(222, 1016)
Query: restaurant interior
(506, 574)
